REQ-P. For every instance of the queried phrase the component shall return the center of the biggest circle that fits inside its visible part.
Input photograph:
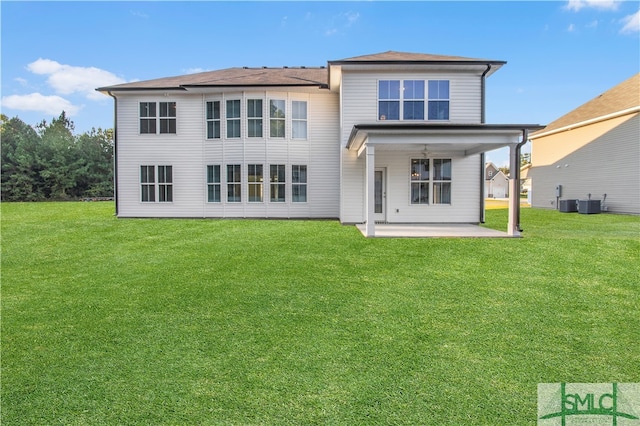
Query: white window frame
(299, 122)
(277, 183)
(438, 97)
(213, 120)
(233, 119)
(147, 185)
(160, 188)
(296, 182)
(274, 119)
(416, 177)
(255, 183)
(236, 185)
(214, 184)
(256, 119)
(441, 181)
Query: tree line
(50, 162)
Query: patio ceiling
(462, 139)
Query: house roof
(404, 57)
(290, 76)
(232, 77)
(622, 97)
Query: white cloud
(68, 79)
(194, 70)
(571, 28)
(342, 21)
(52, 105)
(21, 81)
(577, 5)
(631, 23)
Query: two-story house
(391, 137)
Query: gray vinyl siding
(189, 152)
(605, 164)
(360, 105)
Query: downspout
(482, 157)
(516, 174)
(115, 149)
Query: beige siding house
(391, 137)
(593, 151)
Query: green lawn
(235, 322)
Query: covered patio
(439, 139)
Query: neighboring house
(593, 150)
(496, 183)
(391, 137)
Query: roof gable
(622, 97)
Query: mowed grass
(243, 322)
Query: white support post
(513, 229)
(370, 227)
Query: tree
(525, 158)
(51, 163)
(21, 180)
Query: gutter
(115, 149)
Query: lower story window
(234, 186)
(299, 184)
(164, 184)
(213, 184)
(255, 179)
(442, 181)
(277, 182)
(434, 174)
(420, 181)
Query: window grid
(254, 118)
(147, 182)
(234, 187)
(299, 184)
(438, 100)
(277, 118)
(255, 180)
(167, 117)
(213, 183)
(233, 118)
(277, 184)
(299, 119)
(419, 181)
(213, 120)
(148, 117)
(165, 184)
(442, 181)
(405, 100)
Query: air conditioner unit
(568, 206)
(589, 206)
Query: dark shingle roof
(624, 96)
(231, 77)
(405, 57)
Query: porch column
(514, 192)
(370, 165)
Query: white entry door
(380, 195)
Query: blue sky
(559, 54)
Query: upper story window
(277, 118)
(405, 99)
(413, 100)
(439, 99)
(233, 118)
(389, 99)
(213, 120)
(299, 119)
(254, 118)
(151, 121)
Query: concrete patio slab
(436, 230)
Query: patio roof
(467, 139)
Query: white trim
(587, 122)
